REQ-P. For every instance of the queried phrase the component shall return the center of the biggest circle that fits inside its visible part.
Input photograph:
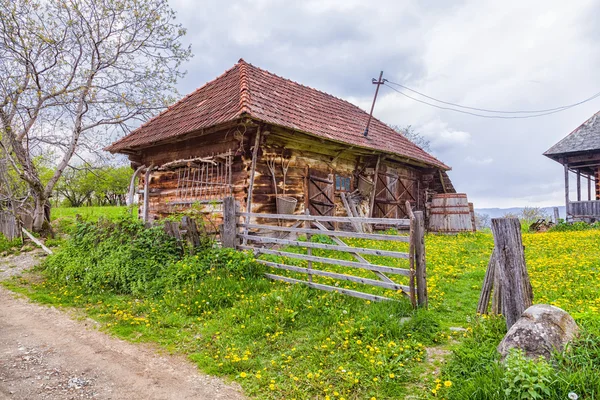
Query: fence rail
(261, 238)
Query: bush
(563, 226)
(124, 257)
(9, 245)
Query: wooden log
(512, 271)
(322, 246)
(420, 266)
(556, 215)
(328, 288)
(357, 235)
(488, 283)
(229, 231)
(405, 222)
(333, 261)
(334, 275)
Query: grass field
(88, 213)
(281, 341)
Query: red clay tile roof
(246, 90)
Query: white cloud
(479, 161)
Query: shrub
(124, 257)
(526, 379)
(563, 226)
(9, 245)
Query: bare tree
(73, 71)
(411, 134)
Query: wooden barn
(278, 147)
(579, 153)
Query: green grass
(63, 218)
(287, 341)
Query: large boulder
(541, 329)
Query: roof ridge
(244, 88)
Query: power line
(539, 113)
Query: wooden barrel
(450, 213)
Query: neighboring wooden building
(579, 153)
(230, 135)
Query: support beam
(589, 180)
(567, 189)
(375, 177)
(252, 173)
(578, 185)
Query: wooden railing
(272, 239)
(589, 208)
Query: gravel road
(46, 354)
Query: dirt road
(45, 354)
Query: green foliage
(563, 226)
(9, 245)
(124, 257)
(526, 379)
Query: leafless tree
(411, 134)
(74, 71)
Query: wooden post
(411, 255)
(229, 232)
(251, 185)
(556, 215)
(419, 259)
(578, 185)
(513, 278)
(146, 193)
(375, 177)
(589, 179)
(308, 250)
(488, 283)
(566, 191)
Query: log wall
(306, 156)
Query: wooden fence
(268, 239)
(9, 225)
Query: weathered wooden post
(486, 289)
(229, 230)
(556, 215)
(515, 288)
(419, 259)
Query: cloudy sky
(502, 55)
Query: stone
(539, 331)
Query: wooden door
(320, 194)
(391, 193)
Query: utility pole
(378, 82)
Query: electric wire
(536, 114)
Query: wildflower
(572, 396)
(392, 376)
(448, 383)
(243, 375)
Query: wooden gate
(273, 240)
(391, 194)
(320, 195)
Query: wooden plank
(514, 280)
(146, 194)
(486, 289)
(326, 218)
(556, 215)
(308, 251)
(333, 261)
(322, 246)
(36, 241)
(339, 241)
(411, 252)
(252, 172)
(357, 226)
(328, 288)
(578, 185)
(568, 212)
(334, 275)
(356, 235)
(420, 267)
